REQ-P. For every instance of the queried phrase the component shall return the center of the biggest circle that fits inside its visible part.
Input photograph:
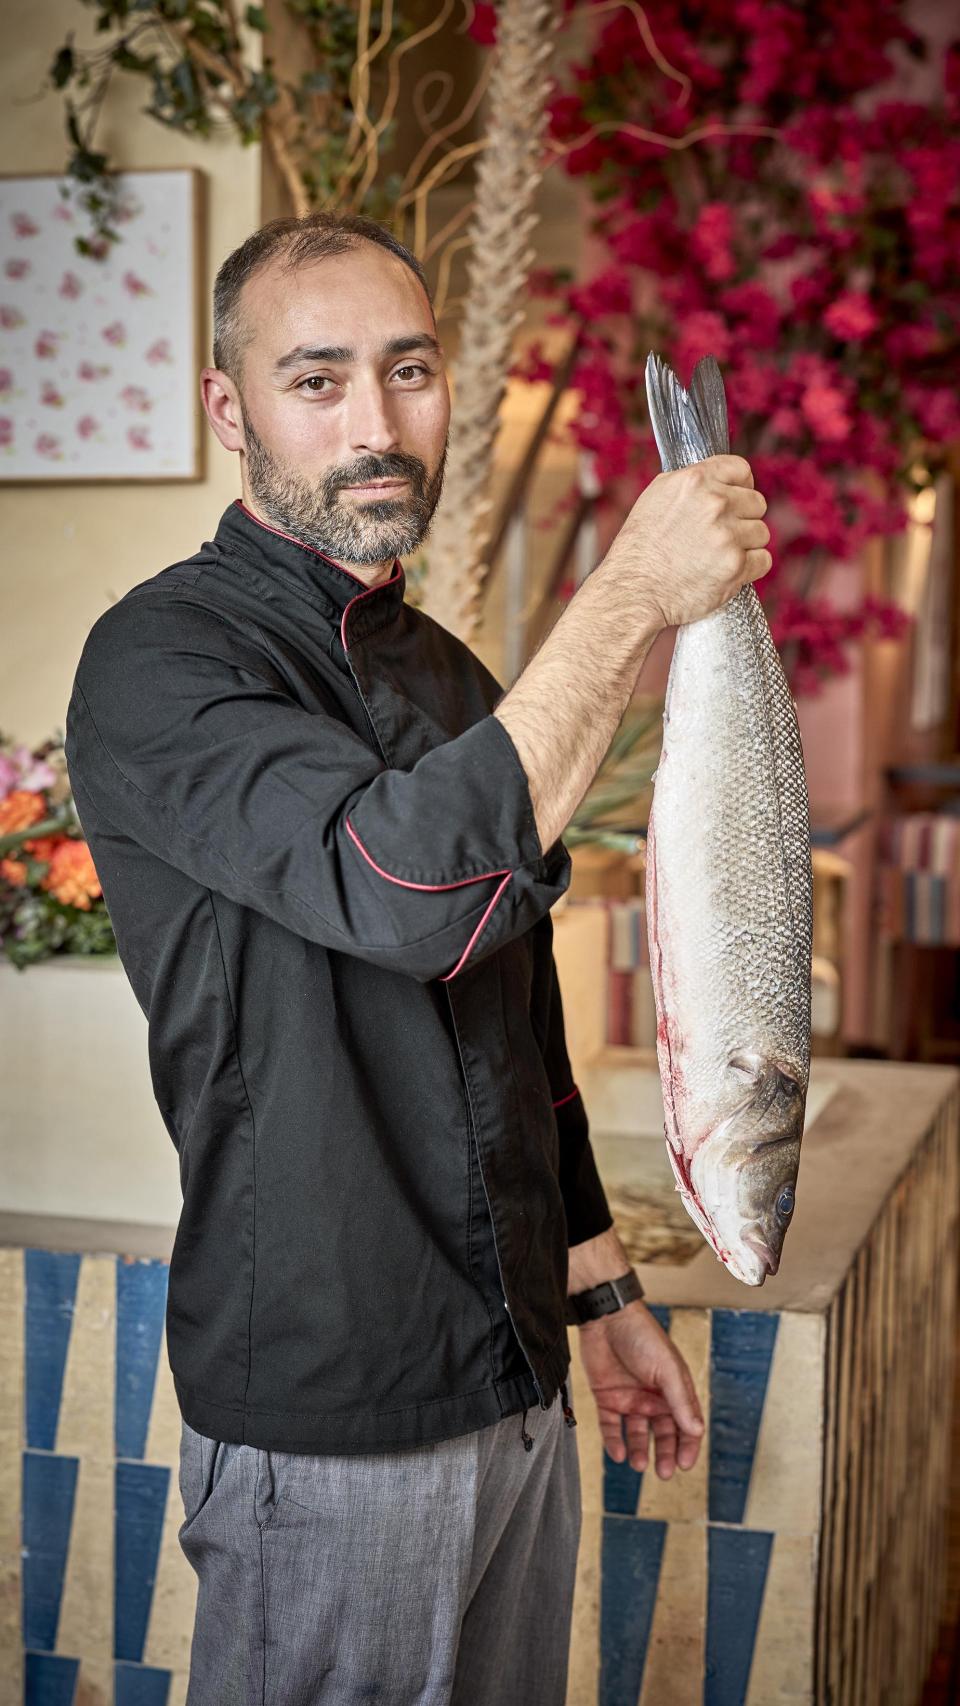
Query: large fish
(729, 896)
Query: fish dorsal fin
(689, 425)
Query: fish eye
(785, 1203)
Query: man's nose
(371, 423)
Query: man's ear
(221, 402)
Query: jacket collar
(317, 577)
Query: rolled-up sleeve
(182, 735)
(584, 1199)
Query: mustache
(395, 467)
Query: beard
(362, 531)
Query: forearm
(563, 711)
(596, 1260)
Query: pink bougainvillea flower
(607, 293)
(17, 267)
(701, 334)
(47, 444)
(136, 286)
(937, 410)
(87, 424)
(93, 370)
(50, 395)
(851, 316)
(115, 333)
(6, 431)
(711, 240)
(824, 410)
(483, 24)
(10, 316)
(24, 226)
(6, 380)
(159, 351)
(46, 344)
(70, 285)
(138, 438)
(137, 398)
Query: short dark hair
(297, 241)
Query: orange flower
(72, 878)
(20, 809)
(14, 870)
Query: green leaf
(256, 17)
(62, 69)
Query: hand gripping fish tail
(729, 895)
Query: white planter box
(80, 1132)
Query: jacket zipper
(536, 1384)
(473, 1138)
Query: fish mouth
(769, 1258)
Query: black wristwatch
(603, 1299)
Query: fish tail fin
(689, 425)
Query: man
(329, 844)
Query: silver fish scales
(729, 896)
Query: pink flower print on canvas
(10, 316)
(138, 438)
(136, 286)
(93, 369)
(50, 395)
(6, 381)
(159, 351)
(137, 398)
(6, 431)
(87, 425)
(17, 267)
(115, 333)
(24, 226)
(46, 343)
(70, 285)
(47, 444)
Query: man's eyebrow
(339, 353)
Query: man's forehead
(314, 313)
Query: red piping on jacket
(567, 1098)
(435, 888)
(356, 578)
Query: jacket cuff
(584, 1199)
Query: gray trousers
(440, 1575)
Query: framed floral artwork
(100, 358)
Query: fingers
(731, 470)
(680, 1393)
(756, 565)
(665, 1435)
(637, 1429)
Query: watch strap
(604, 1299)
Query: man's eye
(412, 367)
(315, 379)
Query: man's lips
(377, 486)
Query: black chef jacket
(319, 855)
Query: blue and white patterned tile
(782, 1651)
(11, 1473)
(738, 1560)
(141, 1491)
(85, 1420)
(51, 1286)
(630, 1582)
(784, 1492)
(141, 1308)
(673, 1670)
(741, 1355)
(86, 1610)
(50, 1680)
(49, 1490)
(141, 1685)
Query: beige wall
(70, 550)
